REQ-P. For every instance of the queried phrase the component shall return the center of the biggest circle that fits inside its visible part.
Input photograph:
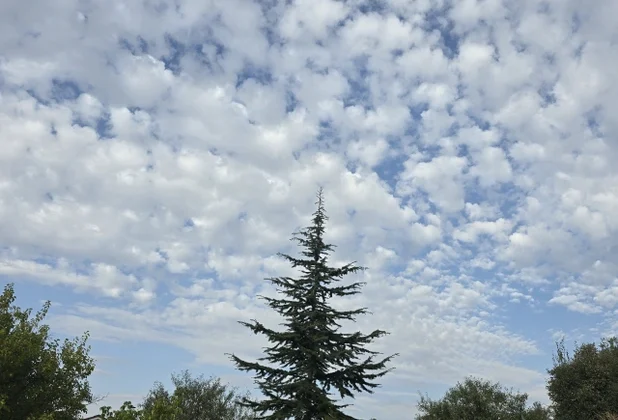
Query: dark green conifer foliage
(312, 359)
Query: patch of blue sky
(506, 196)
(271, 11)
(543, 315)
(312, 65)
(546, 92)
(262, 75)
(205, 48)
(39, 97)
(420, 201)
(416, 112)
(352, 166)
(176, 51)
(436, 20)
(291, 101)
(28, 293)
(372, 6)
(103, 126)
(360, 92)
(535, 321)
(69, 90)
(146, 366)
(65, 90)
(538, 324)
(389, 168)
(327, 139)
(592, 119)
(272, 36)
(139, 46)
(479, 121)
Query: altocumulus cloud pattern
(155, 156)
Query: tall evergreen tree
(312, 356)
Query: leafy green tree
(476, 399)
(585, 385)
(192, 399)
(539, 412)
(126, 412)
(195, 399)
(160, 405)
(311, 356)
(40, 377)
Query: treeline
(310, 367)
(45, 379)
(192, 399)
(581, 386)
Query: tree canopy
(312, 356)
(477, 399)
(40, 377)
(585, 384)
(192, 399)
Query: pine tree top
(312, 358)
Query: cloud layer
(157, 155)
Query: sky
(156, 156)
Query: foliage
(311, 357)
(192, 399)
(160, 405)
(539, 412)
(585, 385)
(126, 412)
(196, 399)
(40, 377)
(476, 399)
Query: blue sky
(157, 155)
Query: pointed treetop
(312, 360)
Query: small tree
(311, 356)
(192, 399)
(195, 399)
(476, 399)
(585, 385)
(40, 377)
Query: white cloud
(441, 178)
(155, 158)
(491, 167)
(498, 230)
(311, 17)
(104, 278)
